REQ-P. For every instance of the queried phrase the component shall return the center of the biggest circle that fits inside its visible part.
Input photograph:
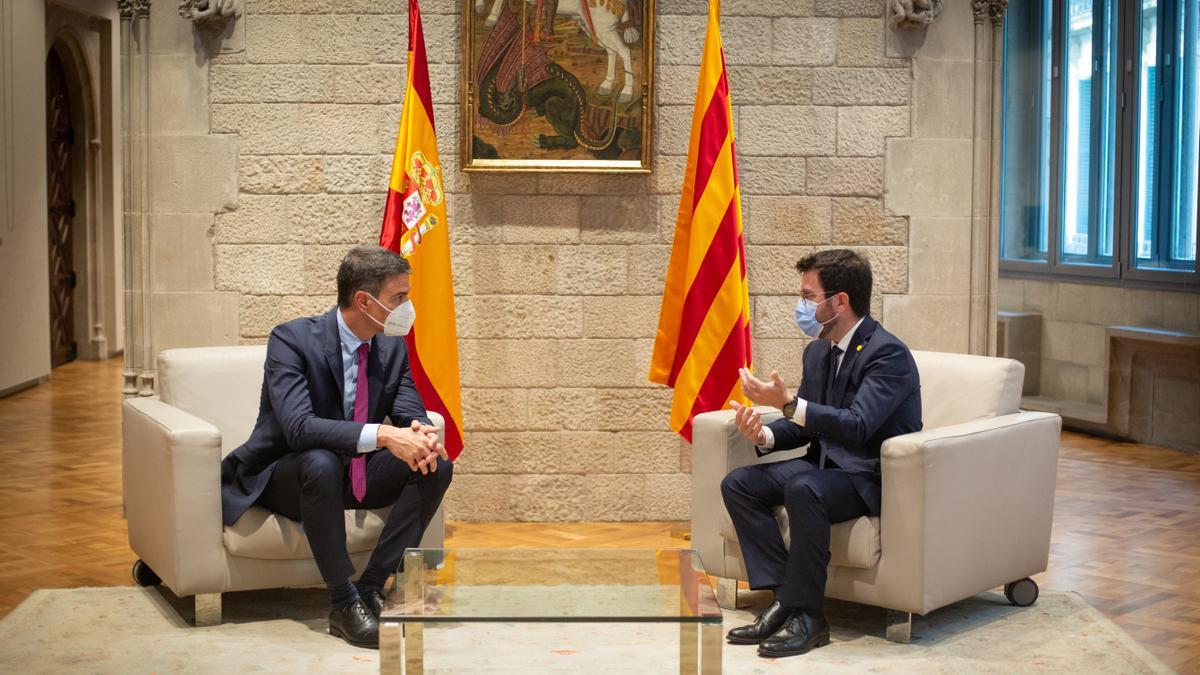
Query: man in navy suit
(859, 388)
(321, 446)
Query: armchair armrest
(968, 507)
(171, 464)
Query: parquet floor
(1126, 529)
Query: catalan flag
(704, 324)
(414, 225)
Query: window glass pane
(1147, 134)
(1181, 248)
(1088, 125)
(1025, 134)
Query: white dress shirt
(369, 438)
(802, 405)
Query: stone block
(771, 175)
(509, 363)
(261, 128)
(783, 355)
(474, 220)
(941, 254)
(193, 173)
(275, 83)
(889, 268)
(547, 498)
(742, 37)
(771, 270)
(766, 85)
(788, 220)
(180, 92)
(927, 177)
(845, 176)
(512, 269)
(861, 221)
(1039, 296)
(940, 108)
(676, 84)
(494, 409)
(593, 184)
(1141, 308)
(861, 43)
(321, 264)
(570, 452)
(665, 496)
(680, 38)
(279, 174)
(480, 498)
(1010, 296)
(788, 130)
(519, 316)
(605, 363)
(1181, 311)
(674, 128)
(356, 173)
(775, 316)
(803, 42)
(258, 315)
(591, 270)
(601, 409)
(623, 316)
(625, 219)
(861, 131)
(259, 269)
(1078, 343)
(937, 323)
(318, 218)
(1083, 303)
(952, 36)
(667, 178)
(530, 219)
(1072, 382)
(647, 268)
(761, 7)
(865, 8)
(861, 86)
(193, 319)
(181, 251)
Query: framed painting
(557, 85)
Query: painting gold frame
(643, 91)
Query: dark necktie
(829, 381)
(358, 464)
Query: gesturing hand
(773, 393)
(749, 422)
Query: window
(1100, 140)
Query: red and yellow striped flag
(704, 324)
(414, 225)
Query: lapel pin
(859, 348)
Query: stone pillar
(985, 215)
(135, 106)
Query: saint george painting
(558, 85)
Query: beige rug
(135, 630)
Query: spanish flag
(414, 225)
(704, 324)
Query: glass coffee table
(557, 585)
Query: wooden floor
(1126, 529)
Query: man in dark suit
(321, 446)
(860, 387)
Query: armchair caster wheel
(1022, 593)
(144, 576)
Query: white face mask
(399, 320)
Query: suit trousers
(814, 499)
(313, 487)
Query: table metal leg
(414, 648)
(689, 656)
(711, 639)
(391, 658)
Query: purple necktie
(358, 465)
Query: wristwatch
(790, 408)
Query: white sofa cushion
(220, 385)
(262, 534)
(854, 543)
(958, 388)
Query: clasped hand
(416, 445)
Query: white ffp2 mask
(399, 320)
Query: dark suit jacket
(877, 395)
(301, 407)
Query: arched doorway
(60, 167)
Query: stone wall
(558, 276)
(1075, 362)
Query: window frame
(1122, 270)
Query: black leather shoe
(373, 599)
(767, 624)
(803, 632)
(355, 624)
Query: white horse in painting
(608, 33)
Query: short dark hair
(366, 268)
(842, 271)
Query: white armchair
(967, 502)
(171, 455)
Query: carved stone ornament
(208, 12)
(989, 9)
(914, 14)
(130, 8)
